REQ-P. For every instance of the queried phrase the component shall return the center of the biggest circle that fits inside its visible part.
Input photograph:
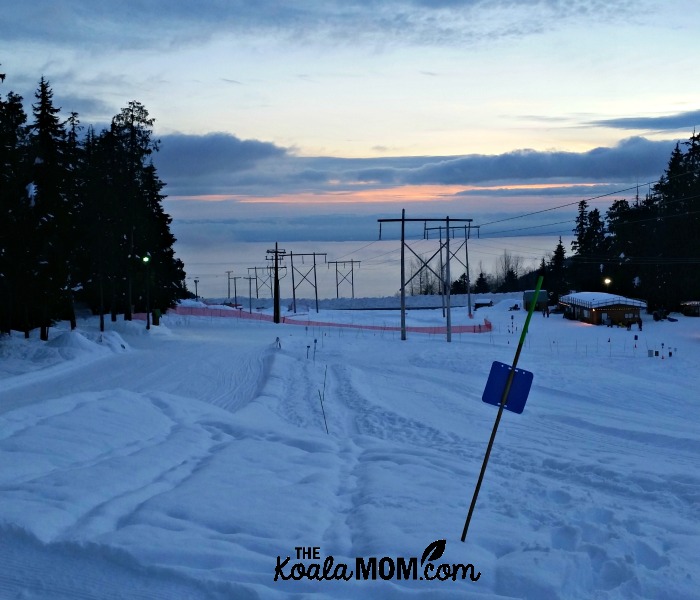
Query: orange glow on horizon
(535, 186)
(405, 193)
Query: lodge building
(597, 307)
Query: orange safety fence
(197, 311)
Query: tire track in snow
(160, 465)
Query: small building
(691, 308)
(542, 299)
(482, 302)
(599, 308)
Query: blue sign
(496, 384)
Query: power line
(544, 210)
(592, 198)
(491, 233)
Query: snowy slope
(181, 462)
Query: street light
(147, 261)
(196, 294)
(607, 281)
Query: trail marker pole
(504, 399)
(320, 396)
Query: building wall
(542, 299)
(690, 309)
(620, 314)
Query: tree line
(645, 248)
(82, 217)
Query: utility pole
(466, 258)
(235, 290)
(228, 274)
(344, 276)
(448, 283)
(276, 294)
(261, 280)
(304, 276)
(425, 264)
(403, 272)
(442, 276)
(250, 294)
(467, 234)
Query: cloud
(629, 159)
(538, 191)
(132, 23)
(86, 107)
(224, 164)
(680, 121)
(209, 161)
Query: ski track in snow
(193, 475)
(586, 533)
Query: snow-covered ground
(180, 463)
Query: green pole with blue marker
(504, 399)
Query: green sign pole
(501, 406)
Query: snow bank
(21, 355)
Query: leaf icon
(433, 551)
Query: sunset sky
(283, 118)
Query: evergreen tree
(15, 224)
(74, 200)
(510, 282)
(677, 231)
(459, 286)
(123, 204)
(166, 275)
(557, 282)
(649, 249)
(619, 247)
(481, 286)
(131, 134)
(595, 234)
(578, 245)
(51, 237)
(589, 249)
(98, 233)
(80, 216)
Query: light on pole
(147, 261)
(196, 293)
(607, 281)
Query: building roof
(599, 299)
